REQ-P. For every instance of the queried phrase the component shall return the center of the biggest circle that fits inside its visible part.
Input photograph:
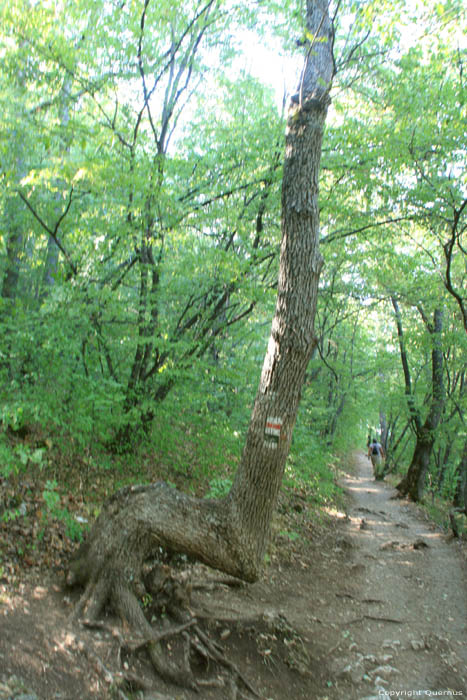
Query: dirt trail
(362, 605)
(409, 592)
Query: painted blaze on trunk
(255, 490)
(232, 534)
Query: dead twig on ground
(377, 618)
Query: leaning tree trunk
(292, 340)
(232, 534)
(413, 483)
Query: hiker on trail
(376, 454)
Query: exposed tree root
(135, 645)
(216, 654)
(123, 567)
(156, 594)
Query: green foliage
(15, 459)
(219, 487)
(311, 466)
(51, 497)
(290, 534)
(73, 528)
(140, 210)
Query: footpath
(409, 593)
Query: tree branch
(53, 232)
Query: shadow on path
(412, 595)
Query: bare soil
(367, 602)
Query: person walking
(376, 454)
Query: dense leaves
(139, 197)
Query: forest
(145, 179)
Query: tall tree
(413, 484)
(15, 165)
(173, 235)
(231, 534)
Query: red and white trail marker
(272, 431)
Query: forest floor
(368, 601)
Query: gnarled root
(136, 526)
(110, 588)
(162, 592)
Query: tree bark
(53, 251)
(14, 209)
(232, 534)
(413, 412)
(413, 483)
(292, 340)
(460, 496)
(383, 426)
(14, 246)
